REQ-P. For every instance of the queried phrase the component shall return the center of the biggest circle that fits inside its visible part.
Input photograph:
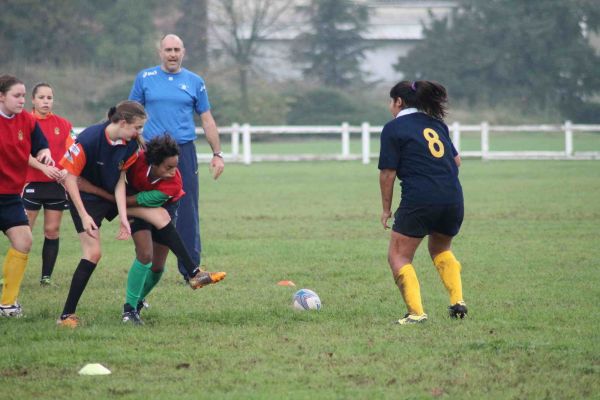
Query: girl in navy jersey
(154, 183)
(101, 154)
(20, 137)
(43, 188)
(416, 148)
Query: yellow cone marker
(94, 369)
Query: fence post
(568, 139)
(235, 141)
(366, 142)
(485, 140)
(345, 140)
(456, 136)
(246, 144)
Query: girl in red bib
(20, 137)
(43, 181)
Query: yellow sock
(409, 287)
(14, 269)
(449, 269)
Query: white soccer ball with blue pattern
(306, 299)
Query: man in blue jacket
(171, 95)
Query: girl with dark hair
(154, 187)
(416, 148)
(43, 181)
(157, 182)
(20, 137)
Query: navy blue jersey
(97, 158)
(419, 148)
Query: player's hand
(217, 165)
(52, 172)
(63, 176)
(385, 216)
(124, 230)
(45, 157)
(90, 226)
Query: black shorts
(50, 195)
(97, 209)
(138, 224)
(12, 212)
(420, 221)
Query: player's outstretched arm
(120, 197)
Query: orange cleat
(203, 278)
(69, 321)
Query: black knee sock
(82, 275)
(170, 238)
(49, 253)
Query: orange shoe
(69, 321)
(203, 278)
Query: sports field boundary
(242, 136)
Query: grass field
(530, 255)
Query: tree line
(533, 54)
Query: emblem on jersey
(20, 134)
(183, 86)
(74, 149)
(57, 131)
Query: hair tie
(413, 86)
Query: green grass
(529, 249)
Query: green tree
(193, 27)
(126, 35)
(54, 32)
(532, 53)
(333, 47)
(240, 26)
(113, 33)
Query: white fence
(243, 152)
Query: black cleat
(130, 315)
(458, 310)
(141, 305)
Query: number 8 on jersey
(433, 139)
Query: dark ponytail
(427, 96)
(111, 112)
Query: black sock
(82, 275)
(49, 253)
(169, 237)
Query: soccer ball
(305, 299)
